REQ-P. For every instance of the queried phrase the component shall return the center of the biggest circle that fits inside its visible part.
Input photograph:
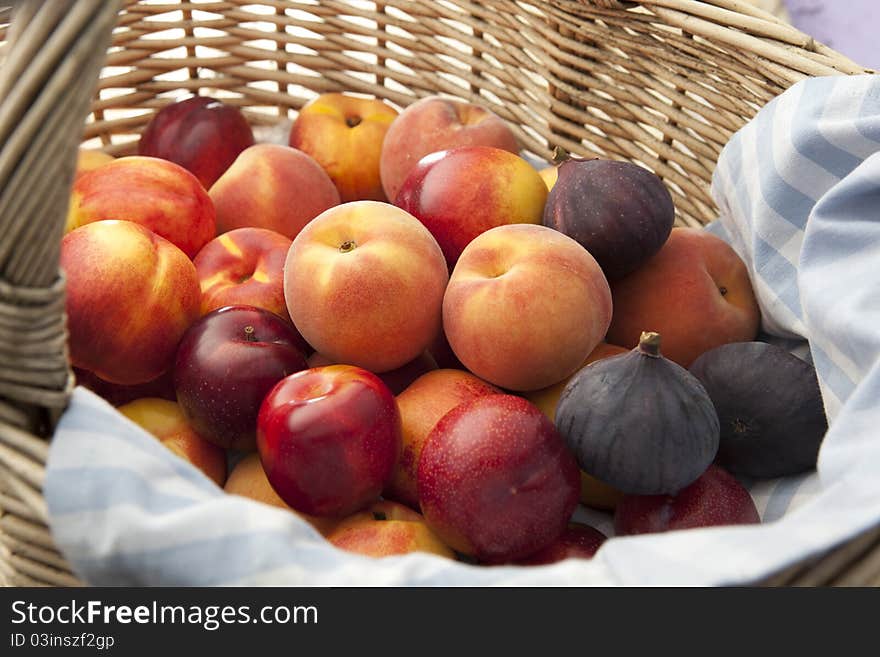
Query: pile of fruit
(399, 329)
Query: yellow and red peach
(549, 176)
(525, 306)
(157, 194)
(165, 420)
(364, 285)
(344, 134)
(244, 266)
(695, 292)
(248, 479)
(272, 186)
(463, 192)
(434, 124)
(88, 159)
(387, 529)
(130, 297)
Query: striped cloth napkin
(799, 193)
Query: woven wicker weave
(660, 82)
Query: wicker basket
(660, 82)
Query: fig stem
(347, 246)
(560, 155)
(649, 344)
(249, 334)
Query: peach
(387, 529)
(248, 479)
(695, 292)
(364, 285)
(549, 176)
(463, 192)
(244, 266)
(130, 297)
(344, 134)
(159, 195)
(88, 159)
(434, 124)
(166, 421)
(525, 306)
(274, 187)
(421, 406)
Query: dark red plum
(769, 406)
(226, 363)
(495, 480)
(620, 212)
(577, 542)
(203, 135)
(715, 498)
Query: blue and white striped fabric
(799, 191)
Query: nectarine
(525, 306)
(344, 134)
(364, 285)
(274, 187)
(436, 123)
(159, 195)
(695, 292)
(130, 296)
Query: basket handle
(50, 64)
